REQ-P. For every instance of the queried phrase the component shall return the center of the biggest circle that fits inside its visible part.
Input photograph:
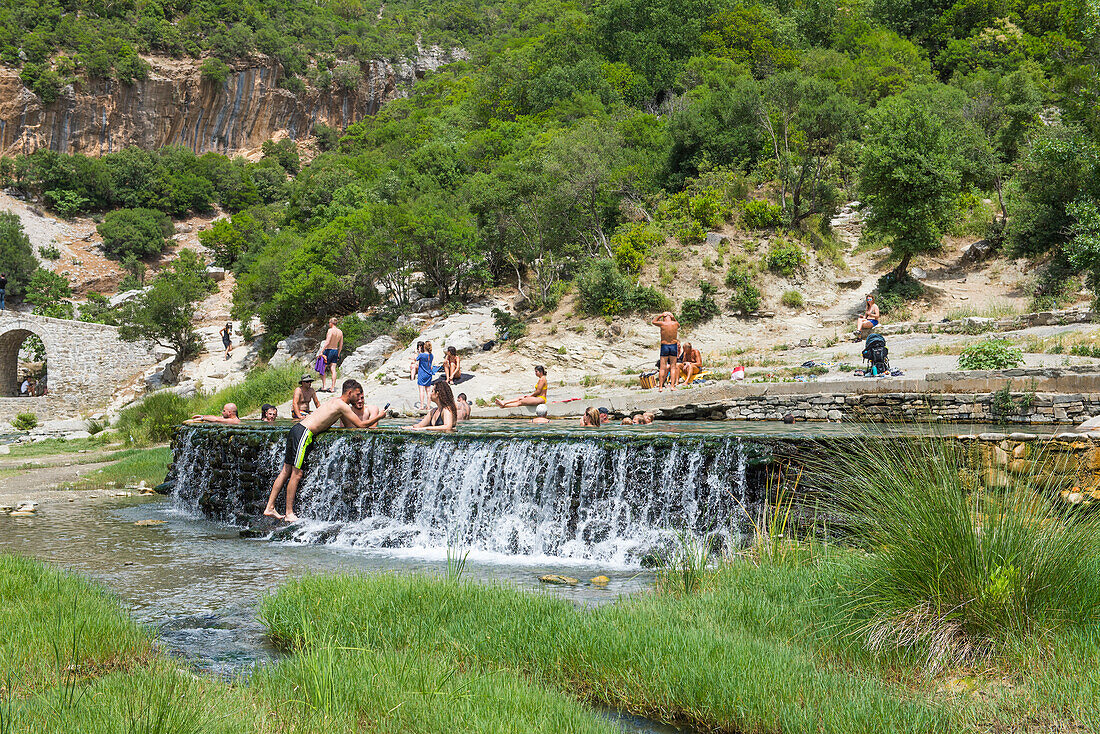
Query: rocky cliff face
(176, 106)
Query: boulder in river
(558, 580)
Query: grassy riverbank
(750, 651)
(75, 663)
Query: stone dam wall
(614, 495)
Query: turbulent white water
(593, 499)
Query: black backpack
(876, 352)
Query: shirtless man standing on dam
(301, 435)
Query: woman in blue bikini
(869, 320)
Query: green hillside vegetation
(580, 138)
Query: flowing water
(197, 583)
(524, 503)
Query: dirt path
(41, 485)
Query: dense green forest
(581, 137)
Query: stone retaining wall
(1026, 408)
(978, 324)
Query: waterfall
(604, 497)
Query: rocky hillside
(178, 105)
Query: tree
(48, 292)
(806, 120)
(164, 313)
(1061, 166)
(910, 178)
(138, 232)
(17, 259)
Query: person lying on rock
(300, 437)
(229, 415)
(535, 398)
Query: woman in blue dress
(424, 374)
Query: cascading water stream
(604, 498)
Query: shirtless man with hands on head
(670, 347)
(339, 408)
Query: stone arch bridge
(86, 365)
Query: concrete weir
(613, 495)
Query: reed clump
(954, 573)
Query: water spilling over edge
(597, 497)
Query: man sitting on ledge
(301, 435)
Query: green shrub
(746, 299)
(792, 299)
(214, 71)
(24, 421)
(154, 419)
(892, 294)
(49, 252)
(956, 574)
(759, 214)
(631, 243)
(700, 310)
(359, 331)
(738, 275)
(785, 257)
(509, 326)
(138, 232)
(990, 354)
(97, 310)
(605, 291)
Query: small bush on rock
(759, 214)
(24, 421)
(605, 291)
(991, 354)
(785, 258)
(702, 309)
(792, 299)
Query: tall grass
(153, 419)
(991, 310)
(58, 629)
(954, 572)
(131, 466)
(734, 657)
(684, 568)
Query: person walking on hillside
(330, 350)
(227, 343)
(670, 347)
(301, 436)
(3, 288)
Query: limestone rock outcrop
(175, 105)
